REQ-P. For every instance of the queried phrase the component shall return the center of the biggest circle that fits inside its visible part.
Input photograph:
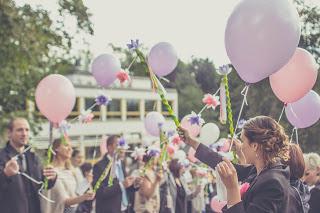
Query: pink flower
(86, 116)
(211, 101)
(176, 140)
(244, 188)
(123, 76)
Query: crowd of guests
(280, 177)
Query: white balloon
(180, 155)
(209, 133)
(152, 122)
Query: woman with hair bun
(265, 146)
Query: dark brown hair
(111, 139)
(11, 122)
(174, 167)
(270, 137)
(296, 162)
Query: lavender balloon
(153, 122)
(261, 36)
(162, 58)
(305, 112)
(104, 69)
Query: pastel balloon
(193, 129)
(162, 58)
(180, 155)
(105, 68)
(304, 112)
(153, 121)
(261, 36)
(55, 97)
(209, 133)
(296, 78)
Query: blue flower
(171, 133)
(241, 123)
(224, 70)
(122, 142)
(133, 45)
(195, 119)
(102, 100)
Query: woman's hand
(228, 175)
(238, 147)
(186, 138)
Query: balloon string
(293, 130)
(132, 62)
(282, 111)
(297, 139)
(37, 182)
(244, 93)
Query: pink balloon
(226, 146)
(217, 205)
(105, 68)
(152, 123)
(296, 78)
(55, 97)
(261, 36)
(194, 129)
(162, 58)
(191, 156)
(171, 149)
(304, 112)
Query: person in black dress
(265, 145)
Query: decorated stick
(223, 104)
(157, 85)
(102, 177)
(229, 109)
(49, 154)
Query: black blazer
(268, 192)
(314, 201)
(13, 196)
(108, 199)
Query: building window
(165, 110)
(95, 110)
(133, 108)
(92, 152)
(150, 105)
(114, 109)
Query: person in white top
(64, 191)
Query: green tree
(33, 44)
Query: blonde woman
(311, 177)
(64, 191)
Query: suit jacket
(268, 192)
(300, 195)
(314, 201)
(18, 194)
(108, 199)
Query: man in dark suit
(112, 199)
(17, 193)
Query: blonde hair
(56, 144)
(312, 160)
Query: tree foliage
(33, 45)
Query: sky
(194, 27)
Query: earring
(257, 155)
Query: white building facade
(123, 115)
